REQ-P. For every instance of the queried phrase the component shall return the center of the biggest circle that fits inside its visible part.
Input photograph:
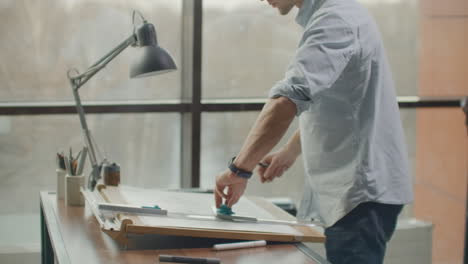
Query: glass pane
(28, 145)
(247, 45)
(398, 22)
(222, 138)
(41, 40)
(246, 48)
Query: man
(351, 139)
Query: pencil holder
(60, 183)
(73, 194)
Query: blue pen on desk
(183, 259)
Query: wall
(441, 152)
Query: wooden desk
(72, 235)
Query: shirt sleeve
(326, 48)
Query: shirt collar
(307, 10)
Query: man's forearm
(273, 122)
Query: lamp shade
(152, 60)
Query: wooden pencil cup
(61, 183)
(73, 194)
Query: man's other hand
(235, 186)
(278, 163)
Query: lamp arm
(76, 82)
(96, 168)
(81, 79)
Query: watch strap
(239, 172)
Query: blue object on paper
(224, 210)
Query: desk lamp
(151, 60)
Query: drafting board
(200, 204)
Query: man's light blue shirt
(351, 134)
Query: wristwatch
(239, 172)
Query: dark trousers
(361, 236)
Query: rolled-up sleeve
(326, 48)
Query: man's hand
(278, 163)
(235, 185)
